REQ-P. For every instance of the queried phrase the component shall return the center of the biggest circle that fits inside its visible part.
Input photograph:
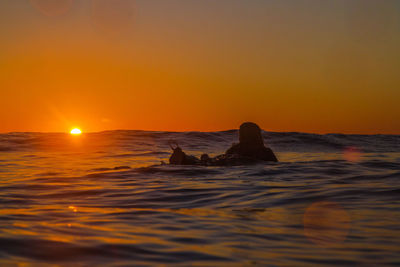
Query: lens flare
(52, 8)
(113, 17)
(326, 223)
(352, 154)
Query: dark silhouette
(250, 149)
(251, 144)
(179, 157)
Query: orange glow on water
(73, 208)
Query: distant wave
(216, 141)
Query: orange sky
(310, 66)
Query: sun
(76, 131)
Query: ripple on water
(107, 203)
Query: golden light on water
(76, 131)
(73, 208)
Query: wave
(157, 142)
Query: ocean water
(105, 199)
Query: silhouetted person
(179, 157)
(251, 149)
(251, 144)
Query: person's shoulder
(268, 154)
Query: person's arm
(269, 155)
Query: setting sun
(76, 131)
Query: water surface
(105, 199)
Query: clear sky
(310, 66)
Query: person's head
(177, 156)
(250, 134)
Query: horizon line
(93, 132)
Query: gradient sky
(310, 66)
